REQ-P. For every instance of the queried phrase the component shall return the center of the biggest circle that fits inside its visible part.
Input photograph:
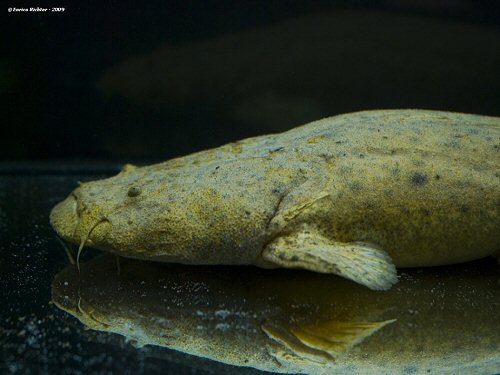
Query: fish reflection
(441, 320)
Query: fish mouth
(80, 226)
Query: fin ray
(335, 337)
(361, 262)
(322, 343)
(295, 347)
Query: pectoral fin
(296, 351)
(322, 342)
(360, 262)
(335, 337)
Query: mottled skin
(424, 186)
(447, 321)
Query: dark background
(236, 69)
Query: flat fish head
(150, 213)
(88, 216)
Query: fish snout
(64, 217)
(77, 223)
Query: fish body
(354, 195)
(291, 321)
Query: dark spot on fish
(281, 148)
(370, 205)
(437, 177)
(418, 179)
(247, 213)
(464, 209)
(338, 142)
(326, 157)
(454, 144)
(393, 152)
(133, 191)
(385, 137)
(361, 156)
(497, 174)
(217, 167)
(295, 258)
(425, 212)
(130, 222)
(355, 186)
(410, 369)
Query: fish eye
(133, 191)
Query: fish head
(163, 214)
